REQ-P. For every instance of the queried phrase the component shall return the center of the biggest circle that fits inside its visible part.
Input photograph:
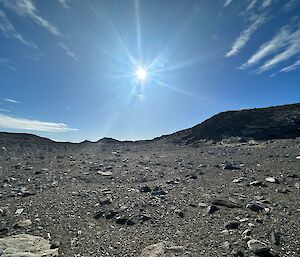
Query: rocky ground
(117, 199)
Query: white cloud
(11, 100)
(64, 3)
(280, 40)
(292, 48)
(292, 67)
(26, 8)
(245, 36)
(68, 51)
(9, 31)
(251, 5)
(35, 125)
(266, 3)
(227, 2)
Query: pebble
(23, 224)
(272, 180)
(255, 207)
(211, 209)
(19, 211)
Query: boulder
(26, 246)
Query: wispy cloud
(227, 2)
(290, 5)
(34, 125)
(68, 51)
(64, 3)
(280, 40)
(245, 36)
(292, 67)
(289, 46)
(11, 100)
(251, 5)
(4, 110)
(7, 63)
(26, 8)
(9, 31)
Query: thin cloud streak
(34, 125)
(227, 2)
(9, 31)
(7, 63)
(11, 100)
(68, 51)
(292, 67)
(245, 36)
(64, 3)
(26, 8)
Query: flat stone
(26, 246)
(272, 180)
(225, 203)
(257, 247)
(23, 224)
(163, 249)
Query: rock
(158, 191)
(26, 245)
(238, 180)
(275, 237)
(272, 180)
(257, 183)
(230, 167)
(225, 203)
(144, 217)
(105, 173)
(255, 207)
(3, 230)
(297, 185)
(211, 209)
(234, 224)
(19, 211)
(145, 189)
(105, 201)
(257, 247)
(163, 249)
(180, 213)
(99, 215)
(237, 253)
(124, 221)
(55, 245)
(23, 224)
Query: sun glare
(141, 73)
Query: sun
(141, 73)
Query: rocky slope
(259, 124)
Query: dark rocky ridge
(277, 122)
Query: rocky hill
(259, 124)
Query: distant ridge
(276, 122)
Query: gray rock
(257, 247)
(211, 209)
(255, 207)
(233, 224)
(275, 237)
(226, 203)
(272, 180)
(26, 245)
(23, 224)
(163, 249)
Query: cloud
(68, 51)
(292, 67)
(64, 3)
(245, 36)
(9, 31)
(26, 8)
(227, 2)
(266, 3)
(291, 48)
(251, 5)
(6, 63)
(11, 100)
(290, 5)
(4, 110)
(35, 125)
(280, 40)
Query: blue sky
(68, 67)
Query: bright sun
(141, 73)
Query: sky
(72, 70)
